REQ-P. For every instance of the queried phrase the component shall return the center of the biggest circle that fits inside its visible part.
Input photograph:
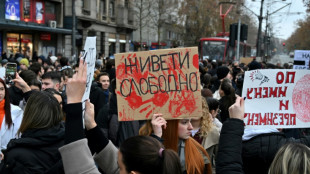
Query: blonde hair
(206, 121)
(292, 158)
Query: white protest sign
(2, 73)
(301, 59)
(277, 98)
(90, 59)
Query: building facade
(32, 26)
(111, 21)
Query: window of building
(103, 7)
(86, 4)
(50, 11)
(111, 9)
(126, 4)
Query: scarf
(2, 111)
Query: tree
(300, 39)
(143, 11)
(307, 4)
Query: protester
(175, 135)
(42, 133)
(24, 64)
(10, 117)
(228, 97)
(138, 154)
(205, 132)
(291, 158)
(99, 92)
(214, 111)
(37, 69)
(51, 80)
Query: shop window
(122, 47)
(126, 4)
(12, 43)
(26, 45)
(111, 48)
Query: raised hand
(21, 84)
(76, 85)
(158, 123)
(237, 109)
(89, 119)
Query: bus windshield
(213, 50)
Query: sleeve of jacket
(107, 159)
(229, 160)
(77, 159)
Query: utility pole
(266, 44)
(73, 31)
(260, 19)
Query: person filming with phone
(10, 118)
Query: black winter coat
(259, 152)
(229, 160)
(35, 152)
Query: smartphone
(10, 72)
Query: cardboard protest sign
(89, 56)
(301, 59)
(161, 81)
(277, 98)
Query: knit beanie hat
(24, 61)
(222, 72)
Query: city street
(281, 58)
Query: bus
(217, 48)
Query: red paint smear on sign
(301, 98)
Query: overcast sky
(284, 21)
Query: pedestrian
(10, 117)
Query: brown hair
(206, 122)
(7, 106)
(42, 111)
(146, 155)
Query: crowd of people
(43, 129)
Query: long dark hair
(145, 154)
(7, 106)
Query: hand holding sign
(77, 84)
(158, 123)
(237, 109)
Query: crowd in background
(41, 125)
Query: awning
(17, 25)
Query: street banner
(161, 81)
(277, 98)
(89, 55)
(301, 59)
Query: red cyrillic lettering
(283, 93)
(249, 91)
(280, 75)
(288, 74)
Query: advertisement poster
(26, 10)
(301, 59)
(12, 11)
(39, 12)
(277, 98)
(163, 81)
